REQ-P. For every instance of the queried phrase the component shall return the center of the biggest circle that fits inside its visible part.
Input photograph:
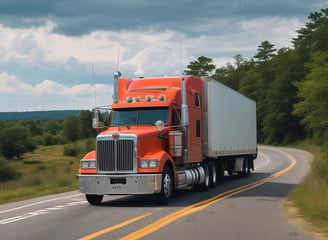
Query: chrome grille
(116, 155)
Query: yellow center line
(204, 204)
(112, 228)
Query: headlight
(148, 163)
(87, 164)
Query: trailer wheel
(206, 184)
(246, 168)
(167, 186)
(220, 170)
(250, 166)
(213, 175)
(94, 199)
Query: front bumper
(132, 184)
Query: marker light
(159, 124)
(161, 98)
(148, 98)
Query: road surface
(238, 208)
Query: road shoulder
(292, 215)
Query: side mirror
(96, 123)
(101, 117)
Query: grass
(311, 196)
(46, 171)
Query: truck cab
(141, 141)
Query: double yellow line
(115, 227)
(190, 209)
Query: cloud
(140, 50)
(50, 95)
(81, 17)
(52, 52)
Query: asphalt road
(238, 208)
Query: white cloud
(150, 52)
(48, 94)
(143, 49)
(276, 30)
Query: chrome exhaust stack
(117, 75)
(184, 117)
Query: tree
(52, 127)
(227, 76)
(86, 129)
(279, 124)
(249, 87)
(239, 60)
(15, 141)
(314, 36)
(33, 126)
(313, 92)
(202, 67)
(230, 74)
(71, 128)
(265, 52)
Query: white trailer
(229, 127)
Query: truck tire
(94, 199)
(167, 186)
(213, 175)
(205, 186)
(246, 168)
(220, 170)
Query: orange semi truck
(168, 133)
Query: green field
(46, 171)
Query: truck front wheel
(94, 199)
(205, 186)
(213, 175)
(167, 186)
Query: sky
(61, 55)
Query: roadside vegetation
(290, 86)
(46, 171)
(40, 157)
(311, 196)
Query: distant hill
(39, 115)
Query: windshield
(134, 116)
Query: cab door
(195, 129)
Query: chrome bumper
(120, 184)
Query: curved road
(238, 208)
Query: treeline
(39, 115)
(20, 136)
(290, 85)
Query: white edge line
(37, 203)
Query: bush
(72, 150)
(79, 148)
(49, 139)
(7, 172)
(15, 141)
(90, 145)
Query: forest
(290, 85)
